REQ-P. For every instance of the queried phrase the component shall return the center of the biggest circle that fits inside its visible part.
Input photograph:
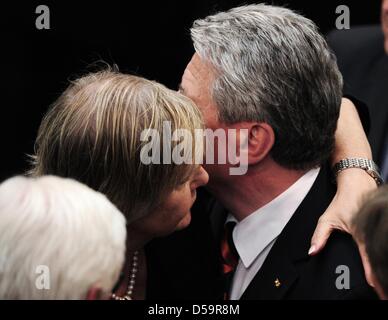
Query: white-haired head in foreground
(59, 239)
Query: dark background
(149, 38)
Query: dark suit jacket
(364, 65)
(186, 265)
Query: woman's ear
(260, 142)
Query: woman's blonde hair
(92, 134)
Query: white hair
(63, 227)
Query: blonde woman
(93, 133)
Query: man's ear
(369, 274)
(95, 293)
(370, 278)
(260, 142)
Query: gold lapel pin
(277, 283)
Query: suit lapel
(273, 280)
(289, 254)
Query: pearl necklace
(132, 279)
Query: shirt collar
(254, 233)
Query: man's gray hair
(272, 65)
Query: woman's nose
(203, 177)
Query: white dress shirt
(255, 235)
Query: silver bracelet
(365, 164)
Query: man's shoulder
(337, 272)
(341, 250)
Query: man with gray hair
(266, 72)
(59, 239)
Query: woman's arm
(353, 184)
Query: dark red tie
(229, 256)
